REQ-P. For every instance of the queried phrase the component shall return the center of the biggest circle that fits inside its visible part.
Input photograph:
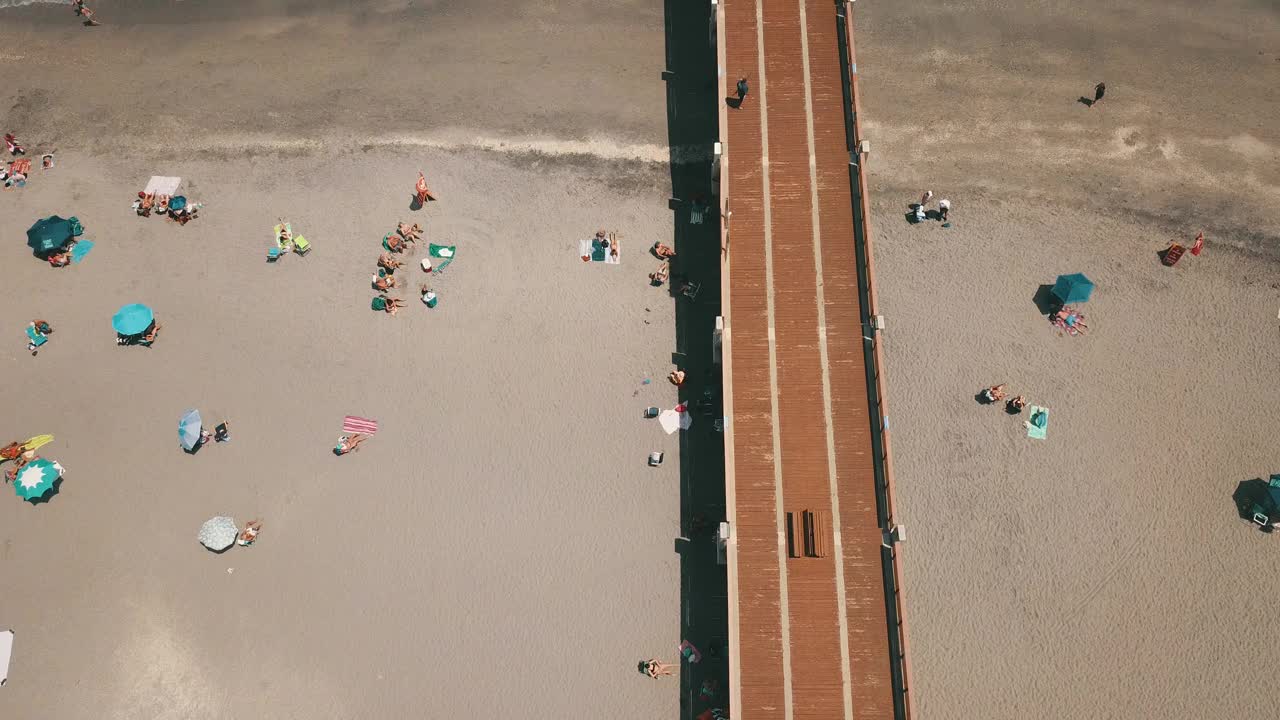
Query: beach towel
(36, 338)
(162, 185)
(1038, 425)
(6, 652)
(20, 166)
(37, 442)
(441, 251)
(80, 249)
(353, 424)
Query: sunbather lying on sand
(347, 443)
(395, 243)
(250, 533)
(994, 394)
(388, 263)
(1017, 404)
(660, 275)
(384, 283)
(410, 233)
(662, 251)
(388, 305)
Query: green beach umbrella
(36, 479)
(132, 319)
(1073, 288)
(49, 234)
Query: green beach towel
(442, 251)
(1038, 425)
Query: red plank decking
(809, 637)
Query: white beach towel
(163, 185)
(6, 651)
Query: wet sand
(499, 548)
(1103, 572)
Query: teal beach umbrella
(1074, 288)
(132, 319)
(36, 479)
(49, 234)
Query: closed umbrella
(132, 319)
(1073, 288)
(36, 479)
(189, 430)
(218, 533)
(49, 234)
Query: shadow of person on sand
(1087, 102)
(733, 101)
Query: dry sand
(499, 548)
(1103, 572)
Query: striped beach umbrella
(36, 479)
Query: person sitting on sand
(1016, 405)
(19, 462)
(384, 283)
(250, 533)
(388, 263)
(395, 243)
(60, 258)
(994, 394)
(655, 668)
(148, 202)
(11, 144)
(347, 443)
(662, 251)
(676, 377)
(150, 336)
(421, 193)
(659, 276)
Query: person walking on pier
(743, 89)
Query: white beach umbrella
(670, 420)
(219, 533)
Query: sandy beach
(1103, 572)
(499, 547)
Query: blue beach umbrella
(189, 430)
(1074, 288)
(177, 202)
(132, 319)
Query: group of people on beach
(922, 212)
(181, 212)
(399, 242)
(997, 393)
(15, 172)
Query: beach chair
(273, 254)
(1173, 254)
(301, 245)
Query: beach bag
(379, 303)
(76, 228)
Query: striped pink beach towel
(353, 424)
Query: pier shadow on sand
(692, 130)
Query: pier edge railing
(895, 593)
